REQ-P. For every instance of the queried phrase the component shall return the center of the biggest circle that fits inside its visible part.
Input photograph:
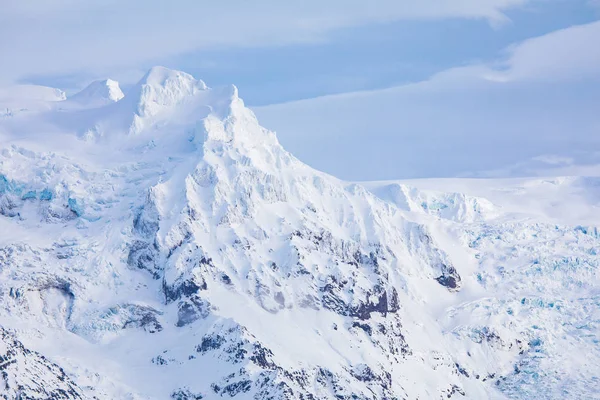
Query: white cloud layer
(571, 54)
(542, 100)
(62, 36)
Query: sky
(385, 89)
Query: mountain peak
(159, 76)
(202, 245)
(162, 88)
(162, 97)
(99, 92)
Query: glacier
(162, 244)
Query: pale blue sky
(474, 85)
(377, 56)
(371, 56)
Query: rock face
(26, 374)
(202, 260)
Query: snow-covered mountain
(162, 244)
(99, 93)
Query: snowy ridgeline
(161, 244)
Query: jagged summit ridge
(163, 102)
(162, 88)
(161, 98)
(164, 94)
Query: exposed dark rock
(364, 327)
(262, 357)
(144, 255)
(394, 304)
(160, 360)
(177, 245)
(28, 375)
(225, 279)
(449, 278)
(210, 342)
(9, 205)
(145, 318)
(461, 370)
(185, 394)
(146, 221)
(363, 311)
(448, 281)
(143, 251)
(331, 300)
(191, 310)
(185, 288)
(363, 373)
(237, 387)
(486, 334)
(455, 390)
(280, 299)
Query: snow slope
(162, 244)
(99, 93)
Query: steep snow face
(159, 91)
(172, 248)
(27, 374)
(99, 93)
(254, 236)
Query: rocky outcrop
(26, 374)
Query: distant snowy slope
(164, 245)
(568, 199)
(452, 206)
(21, 99)
(31, 93)
(99, 93)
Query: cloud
(571, 53)
(462, 121)
(62, 36)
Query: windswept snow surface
(162, 244)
